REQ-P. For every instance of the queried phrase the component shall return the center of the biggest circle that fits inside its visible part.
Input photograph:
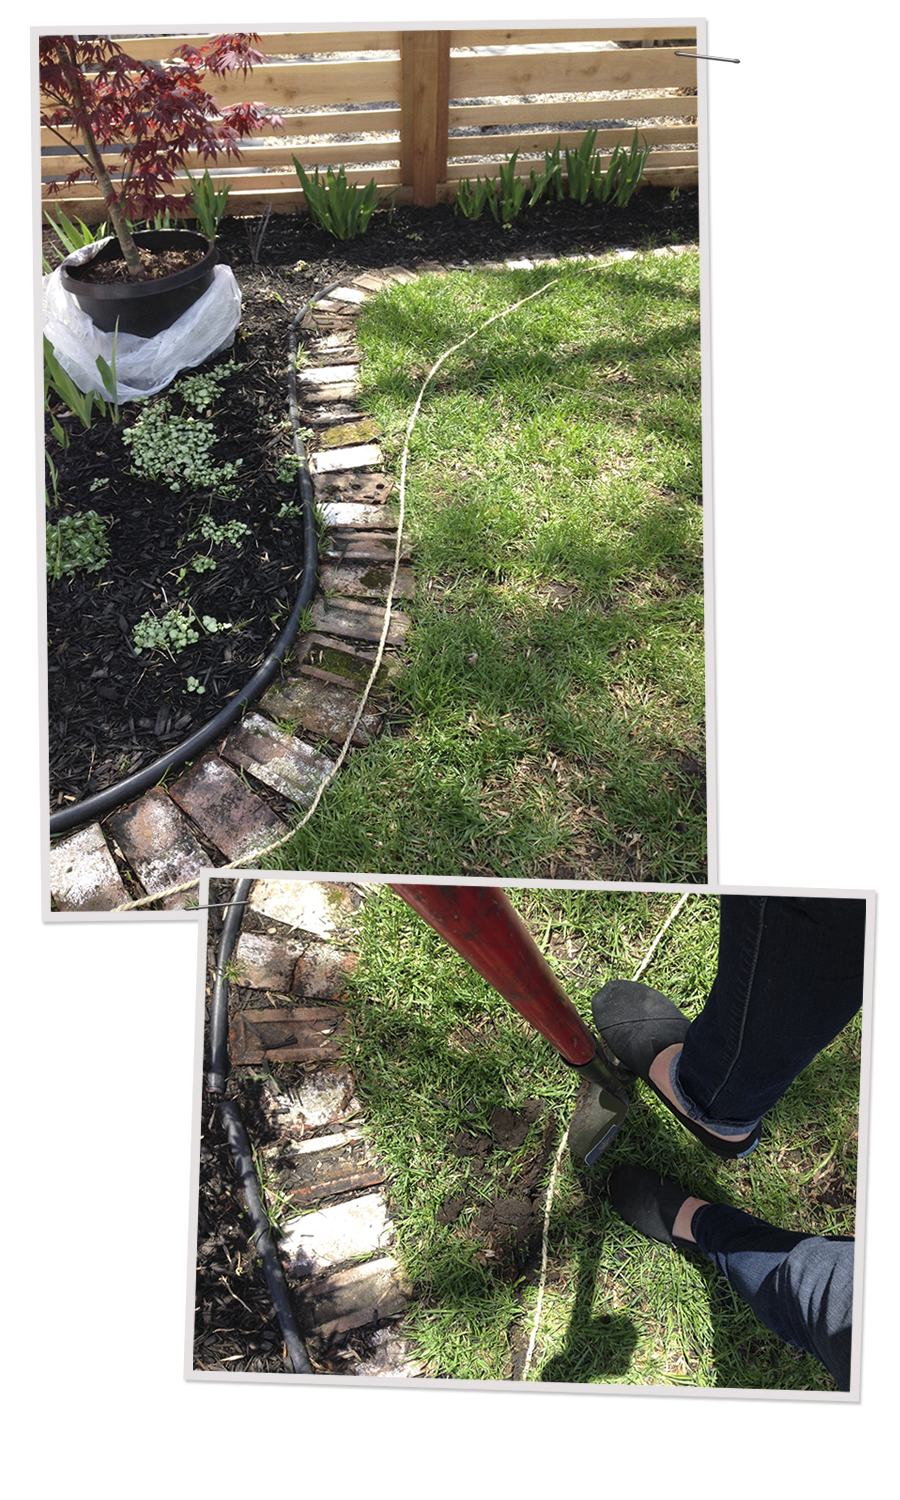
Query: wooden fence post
(425, 106)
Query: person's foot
(655, 1206)
(660, 1070)
(640, 1032)
(681, 1229)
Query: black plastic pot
(142, 307)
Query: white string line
(398, 552)
(666, 924)
(551, 1186)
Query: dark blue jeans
(789, 979)
(800, 1286)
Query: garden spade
(481, 924)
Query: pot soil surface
(154, 267)
(111, 711)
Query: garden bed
(112, 711)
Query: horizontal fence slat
(387, 121)
(473, 77)
(347, 122)
(525, 142)
(298, 85)
(85, 195)
(363, 153)
(553, 35)
(384, 121)
(660, 106)
(251, 157)
(482, 116)
(377, 81)
(275, 43)
(307, 43)
(457, 170)
(303, 84)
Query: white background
(98, 1027)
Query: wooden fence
(419, 110)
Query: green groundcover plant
(77, 542)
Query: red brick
(158, 844)
(225, 810)
(277, 759)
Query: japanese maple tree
(154, 115)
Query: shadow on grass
(598, 1346)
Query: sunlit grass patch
(553, 497)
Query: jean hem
(688, 1107)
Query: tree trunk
(130, 252)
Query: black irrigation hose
(238, 1140)
(101, 803)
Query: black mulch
(111, 712)
(235, 1326)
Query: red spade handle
(480, 923)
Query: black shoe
(636, 1024)
(649, 1203)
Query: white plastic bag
(143, 366)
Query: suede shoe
(635, 1024)
(649, 1203)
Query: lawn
(465, 1103)
(550, 719)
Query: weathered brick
(345, 350)
(353, 1298)
(83, 873)
(323, 1167)
(299, 1033)
(356, 621)
(323, 909)
(266, 963)
(327, 1097)
(225, 810)
(359, 486)
(338, 460)
(330, 660)
(326, 374)
(320, 1240)
(158, 844)
(366, 580)
(322, 971)
(277, 759)
(332, 413)
(369, 548)
(355, 294)
(322, 391)
(372, 281)
(344, 513)
(320, 708)
(343, 433)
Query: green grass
(435, 1051)
(550, 720)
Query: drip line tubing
(238, 1140)
(101, 803)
